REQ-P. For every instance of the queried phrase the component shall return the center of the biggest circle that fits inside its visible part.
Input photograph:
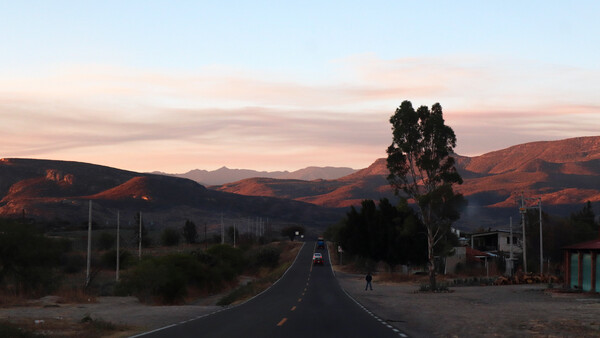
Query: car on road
(320, 243)
(317, 258)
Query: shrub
(154, 281)
(190, 234)
(266, 256)
(170, 237)
(194, 271)
(29, 259)
(228, 256)
(72, 262)
(440, 287)
(109, 259)
(106, 241)
(165, 279)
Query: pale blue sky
(292, 35)
(283, 85)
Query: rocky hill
(565, 174)
(59, 192)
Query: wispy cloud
(149, 120)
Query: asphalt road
(306, 302)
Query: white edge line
(155, 330)
(365, 309)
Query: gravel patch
(117, 310)
(479, 311)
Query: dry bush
(8, 299)
(74, 295)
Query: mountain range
(564, 174)
(58, 193)
(225, 175)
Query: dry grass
(8, 299)
(289, 251)
(74, 295)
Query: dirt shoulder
(123, 311)
(479, 311)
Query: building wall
(582, 270)
(496, 241)
(460, 256)
(504, 245)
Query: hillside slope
(59, 191)
(565, 174)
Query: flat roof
(495, 232)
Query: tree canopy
(421, 166)
(190, 234)
(383, 232)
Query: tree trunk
(430, 243)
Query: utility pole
(541, 242)
(118, 248)
(511, 249)
(140, 239)
(523, 211)
(89, 246)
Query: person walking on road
(369, 278)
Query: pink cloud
(224, 117)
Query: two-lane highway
(307, 301)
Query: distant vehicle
(317, 258)
(320, 243)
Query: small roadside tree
(169, 237)
(190, 234)
(420, 165)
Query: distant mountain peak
(225, 175)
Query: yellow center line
(282, 322)
(293, 308)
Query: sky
(279, 85)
